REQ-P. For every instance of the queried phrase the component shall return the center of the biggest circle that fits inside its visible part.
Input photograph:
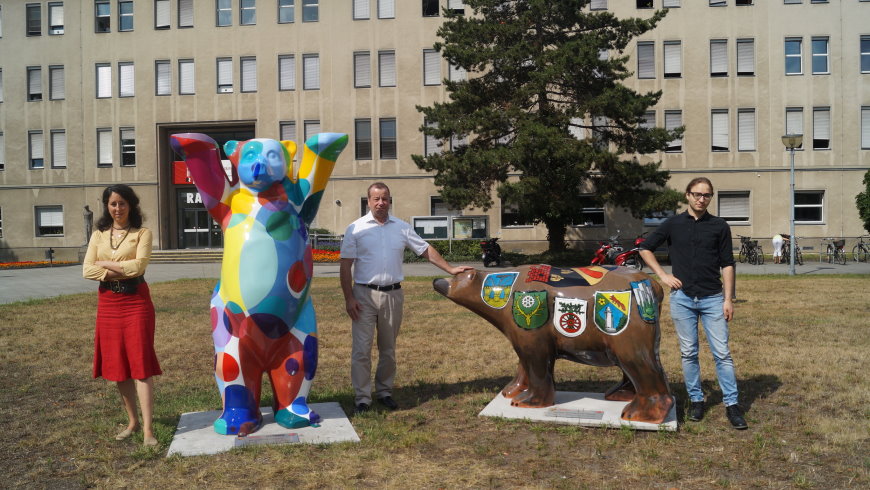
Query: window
(1, 223)
(125, 16)
(598, 5)
(718, 58)
(865, 128)
(792, 1)
(649, 120)
(456, 6)
(387, 135)
(102, 16)
(431, 144)
(820, 56)
(248, 65)
(224, 75)
(104, 80)
(162, 14)
(437, 207)
(34, 19)
(49, 220)
(794, 122)
(247, 12)
(310, 11)
(2, 152)
(104, 147)
(745, 129)
(718, 3)
(673, 120)
(865, 54)
(58, 148)
(386, 9)
(430, 8)
(362, 69)
(361, 10)
(185, 13)
(287, 72)
(311, 128)
(673, 59)
(719, 130)
(55, 18)
(821, 128)
(744, 3)
(510, 215)
(431, 67)
(387, 68)
(1, 35)
(646, 66)
(125, 80)
(644, 4)
(223, 13)
(162, 77)
(286, 11)
(363, 139)
(669, 4)
(287, 130)
(36, 149)
(793, 55)
(734, 206)
(34, 83)
(56, 85)
(186, 77)
(1, 85)
(456, 73)
(592, 214)
(128, 147)
(655, 218)
(745, 57)
(310, 72)
(808, 206)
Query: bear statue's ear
(230, 147)
(290, 149)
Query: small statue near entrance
(89, 223)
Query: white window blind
(1, 85)
(387, 68)
(431, 67)
(598, 5)
(249, 74)
(719, 57)
(58, 149)
(671, 3)
(794, 120)
(55, 18)
(745, 56)
(734, 206)
(386, 9)
(225, 75)
(673, 120)
(161, 14)
(311, 128)
(104, 81)
(821, 128)
(288, 131)
(164, 78)
(104, 147)
(865, 128)
(673, 59)
(50, 216)
(311, 72)
(457, 74)
(57, 83)
(362, 69)
(646, 67)
(287, 72)
(746, 130)
(34, 82)
(37, 145)
(126, 78)
(361, 9)
(2, 152)
(185, 13)
(719, 130)
(575, 129)
(431, 144)
(455, 5)
(649, 120)
(186, 82)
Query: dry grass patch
(800, 346)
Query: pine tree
(862, 200)
(536, 80)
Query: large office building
(90, 91)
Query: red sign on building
(180, 175)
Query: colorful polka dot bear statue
(261, 313)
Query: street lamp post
(791, 142)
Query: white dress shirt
(378, 249)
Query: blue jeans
(685, 312)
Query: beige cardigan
(133, 254)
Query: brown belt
(123, 285)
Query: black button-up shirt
(698, 250)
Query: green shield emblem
(530, 309)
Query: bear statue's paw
(289, 420)
(238, 420)
(652, 409)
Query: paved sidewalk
(24, 284)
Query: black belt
(390, 287)
(123, 285)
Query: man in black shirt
(699, 245)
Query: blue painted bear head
(260, 162)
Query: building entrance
(197, 229)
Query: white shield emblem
(569, 316)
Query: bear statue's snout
(441, 285)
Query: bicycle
(786, 252)
(750, 251)
(861, 251)
(834, 251)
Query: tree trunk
(556, 236)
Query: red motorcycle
(631, 258)
(607, 251)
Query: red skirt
(124, 337)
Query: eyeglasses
(700, 195)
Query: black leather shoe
(696, 411)
(735, 416)
(388, 402)
(361, 408)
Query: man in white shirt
(373, 247)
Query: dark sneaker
(361, 408)
(696, 411)
(735, 416)
(388, 402)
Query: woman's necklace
(112, 238)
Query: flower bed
(325, 255)
(29, 264)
